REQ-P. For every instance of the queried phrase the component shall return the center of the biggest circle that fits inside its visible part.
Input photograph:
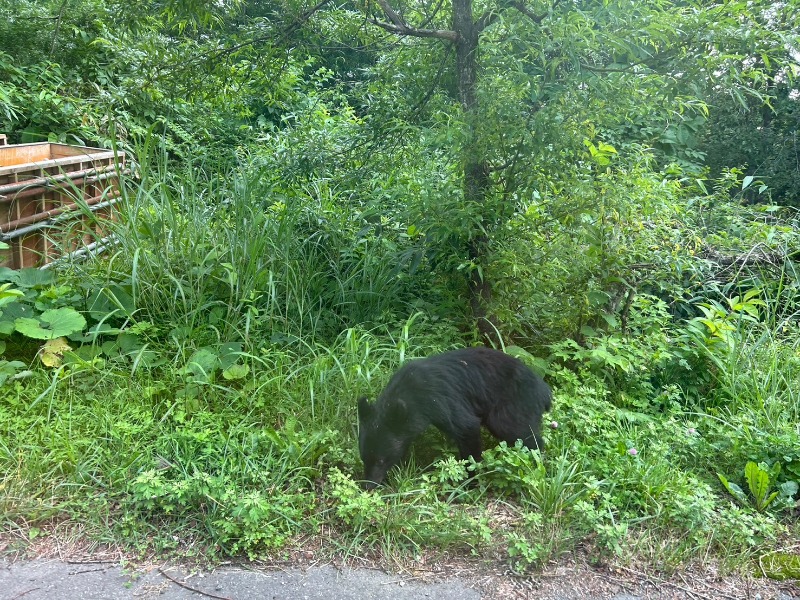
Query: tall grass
(760, 368)
(219, 256)
(763, 373)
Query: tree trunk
(476, 173)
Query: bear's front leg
(468, 440)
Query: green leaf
(111, 300)
(762, 506)
(607, 148)
(229, 353)
(129, 343)
(236, 372)
(9, 369)
(758, 481)
(610, 319)
(734, 490)
(31, 278)
(773, 471)
(789, 489)
(201, 365)
(7, 274)
(8, 295)
(6, 327)
(51, 324)
(597, 298)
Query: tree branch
(284, 35)
(529, 13)
(490, 16)
(432, 89)
(58, 26)
(432, 15)
(486, 19)
(399, 27)
(654, 63)
(392, 14)
(442, 34)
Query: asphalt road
(57, 580)
(54, 580)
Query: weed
(760, 478)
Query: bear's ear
(365, 409)
(397, 412)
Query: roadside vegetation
(296, 225)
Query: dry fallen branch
(190, 588)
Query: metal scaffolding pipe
(9, 188)
(95, 247)
(42, 220)
(41, 189)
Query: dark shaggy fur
(457, 392)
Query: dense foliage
(319, 193)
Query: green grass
(255, 468)
(227, 256)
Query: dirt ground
(579, 581)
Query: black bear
(457, 392)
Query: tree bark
(476, 182)
(476, 172)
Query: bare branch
(442, 34)
(190, 588)
(392, 14)
(284, 35)
(432, 15)
(436, 80)
(58, 26)
(529, 13)
(399, 27)
(486, 19)
(491, 16)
